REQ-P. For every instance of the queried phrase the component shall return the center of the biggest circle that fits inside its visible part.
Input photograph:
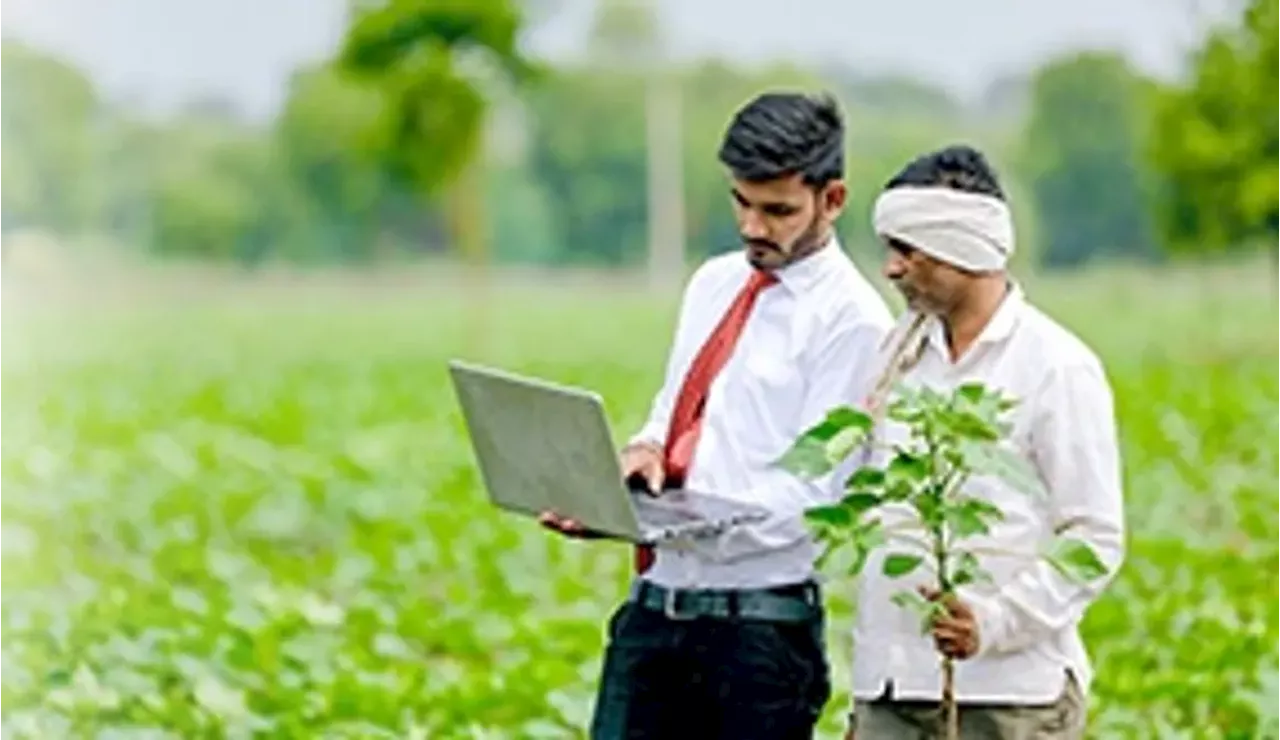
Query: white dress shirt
(802, 352)
(1064, 427)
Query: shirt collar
(997, 329)
(800, 276)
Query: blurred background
(240, 239)
(583, 132)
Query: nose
(894, 265)
(753, 226)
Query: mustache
(762, 244)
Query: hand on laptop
(568, 527)
(642, 466)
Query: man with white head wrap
(1021, 670)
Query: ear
(834, 196)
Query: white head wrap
(971, 231)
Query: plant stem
(950, 718)
(950, 714)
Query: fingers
(953, 604)
(653, 474)
(560, 524)
(645, 463)
(569, 527)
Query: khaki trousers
(884, 719)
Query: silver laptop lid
(542, 446)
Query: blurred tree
(1084, 161)
(49, 136)
(210, 191)
(1215, 141)
(330, 139)
(429, 61)
(586, 147)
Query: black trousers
(710, 678)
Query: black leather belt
(796, 603)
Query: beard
(764, 254)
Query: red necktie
(686, 416)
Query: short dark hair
(780, 134)
(960, 167)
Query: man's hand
(643, 461)
(955, 632)
(568, 527)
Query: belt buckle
(669, 606)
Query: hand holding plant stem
(951, 438)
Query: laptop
(541, 446)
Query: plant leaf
(967, 569)
(905, 466)
(986, 458)
(865, 478)
(970, 516)
(1076, 560)
(823, 446)
(926, 610)
(833, 515)
(900, 564)
(860, 503)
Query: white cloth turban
(971, 231)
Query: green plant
(952, 438)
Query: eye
(780, 210)
(901, 248)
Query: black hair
(780, 134)
(960, 167)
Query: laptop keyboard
(674, 508)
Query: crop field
(250, 510)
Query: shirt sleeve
(836, 378)
(1075, 448)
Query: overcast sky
(161, 52)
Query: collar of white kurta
(971, 231)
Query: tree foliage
(1215, 140)
(1083, 157)
(428, 61)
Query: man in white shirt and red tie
(724, 639)
(1022, 670)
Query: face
(928, 285)
(785, 219)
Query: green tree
(1083, 158)
(48, 129)
(432, 62)
(1215, 141)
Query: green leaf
(969, 425)
(966, 569)
(908, 467)
(900, 564)
(929, 507)
(926, 610)
(865, 478)
(834, 515)
(970, 516)
(821, 447)
(867, 536)
(986, 458)
(860, 503)
(1076, 560)
(832, 545)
